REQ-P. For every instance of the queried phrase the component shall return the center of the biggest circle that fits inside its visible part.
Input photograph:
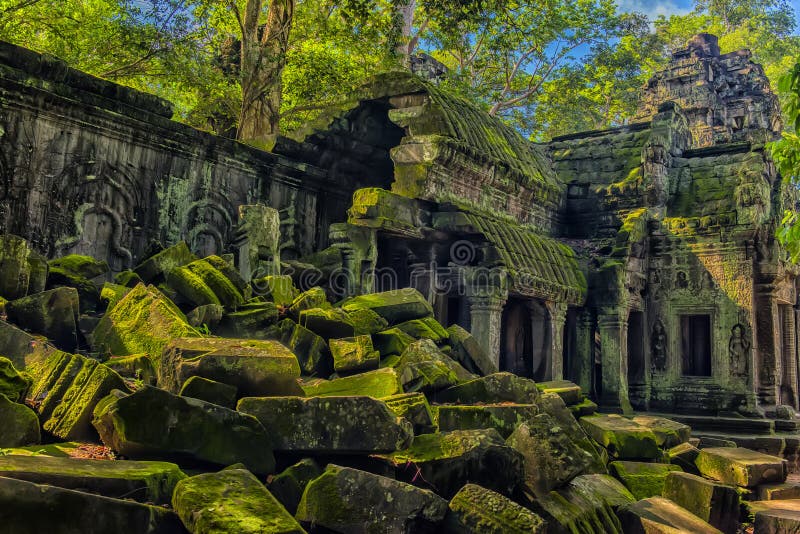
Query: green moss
(644, 480)
(481, 510)
(191, 286)
(224, 290)
(18, 425)
(13, 384)
(379, 383)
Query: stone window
(696, 344)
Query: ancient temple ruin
(639, 262)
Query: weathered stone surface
(448, 460)
(155, 268)
(333, 425)
(741, 467)
(13, 384)
(569, 392)
(621, 437)
(210, 391)
(502, 417)
(378, 383)
(423, 367)
(551, 456)
(18, 424)
(478, 510)
(52, 313)
(312, 352)
(713, 502)
(587, 504)
(496, 387)
(773, 492)
(144, 321)
(77, 271)
(66, 391)
(24, 350)
(307, 300)
(135, 366)
(642, 479)
(366, 322)
(110, 294)
(201, 282)
(254, 367)
(392, 341)
(206, 316)
(351, 501)
(584, 407)
(776, 517)
(415, 408)
(425, 328)
(22, 270)
(395, 306)
(668, 433)
(329, 323)
(232, 500)
(684, 456)
(354, 354)
(29, 508)
(250, 320)
(278, 288)
(658, 515)
(469, 353)
(152, 423)
(289, 485)
(141, 481)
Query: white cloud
(654, 8)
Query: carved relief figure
(707, 281)
(739, 348)
(681, 280)
(658, 345)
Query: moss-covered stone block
(78, 271)
(343, 499)
(153, 423)
(621, 437)
(775, 517)
(330, 323)
(779, 491)
(741, 467)
(30, 508)
(477, 509)
(141, 481)
(668, 433)
(254, 367)
(568, 391)
(18, 424)
(415, 408)
(494, 388)
(469, 353)
(329, 425)
(288, 485)
(307, 300)
(13, 383)
(395, 306)
(232, 500)
(210, 391)
(378, 383)
(144, 321)
(425, 328)
(110, 294)
(554, 406)
(447, 461)
(250, 320)
(354, 354)
(277, 288)
(200, 283)
(684, 456)
(311, 350)
(551, 457)
(155, 268)
(657, 514)
(502, 417)
(19, 274)
(392, 341)
(643, 479)
(366, 322)
(585, 407)
(135, 366)
(53, 314)
(713, 502)
(424, 367)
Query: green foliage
(786, 154)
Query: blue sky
(654, 8)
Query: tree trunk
(263, 60)
(403, 29)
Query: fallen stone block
(249, 321)
(391, 342)
(774, 492)
(207, 316)
(553, 405)
(605, 487)
(77, 271)
(29, 508)
(551, 457)
(144, 321)
(584, 407)
(684, 456)
(502, 417)
(659, 515)
(53, 314)
(475, 509)
(311, 350)
(18, 424)
(395, 306)
(110, 294)
(155, 268)
(254, 367)
(289, 485)
(121, 479)
(307, 300)
(66, 391)
(415, 408)
(13, 384)
(24, 350)
(328, 323)
(741, 467)
(423, 367)
(277, 288)
(707, 442)
(642, 479)
(379, 383)
(587, 505)
(494, 388)
(446, 461)
(135, 366)
(621, 437)
(569, 392)
(201, 283)
(469, 353)
(353, 501)
(366, 322)
(153, 423)
(329, 425)
(354, 354)
(425, 328)
(775, 517)
(210, 391)
(232, 500)
(713, 502)
(22, 270)
(668, 433)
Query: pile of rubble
(231, 406)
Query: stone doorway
(636, 359)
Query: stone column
(767, 342)
(789, 356)
(487, 294)
(584, 353)
(613, 329)
(558, 317)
